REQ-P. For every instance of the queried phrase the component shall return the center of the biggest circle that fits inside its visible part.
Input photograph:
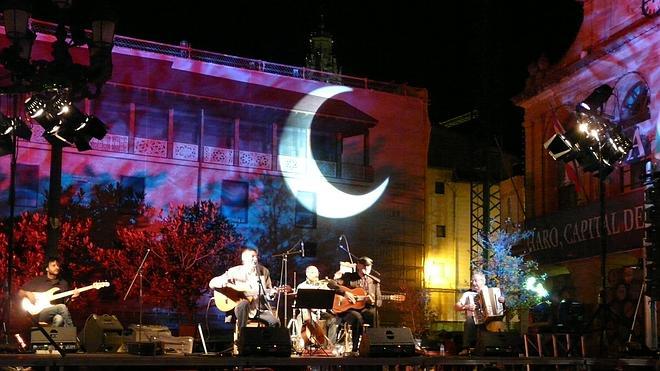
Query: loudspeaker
(387, 342)
(143, 348)
(498, 344)
(102, 334)
(265, 341)
(65, 337)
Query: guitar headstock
(398, 298)
(100, 284)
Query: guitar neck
(70, 292)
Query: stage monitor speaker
(102, 333)
(499, 344)
(264, 341)
(387, 342)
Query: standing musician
(253, 280)
(58, 314)
(360, 278)
(468, 303)
(312, 281)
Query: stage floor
(301, 362)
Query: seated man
(58, 314)
(253, 281)
(312, 282)
(361, 278)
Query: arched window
(635, 104)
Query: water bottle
(442, 349)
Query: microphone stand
(138, 274)
(351, 256)
(284, 275)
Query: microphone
(302, 248)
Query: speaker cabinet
(264, 341)
(65, 337)
(387, 342)
(498, 344)
(102, 334)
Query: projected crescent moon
(330, 201)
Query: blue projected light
(330, 201)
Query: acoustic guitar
(43, 299)
(227, 298)
(342, 304)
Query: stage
(301, 362)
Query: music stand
(315, 299)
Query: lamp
(36, 76)
(52, 88)
(597, 144)
(596, 99)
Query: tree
(507, 271)
(193, 243)
(75, 250)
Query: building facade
(617, 45)
(187, 125)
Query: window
(439, 188)
(218, 131)
(440, 231)
(151, 122)
(186, 126)
(293, 142)
(634, 107)
(27, 185)
(306, 218)
(255, 137)
(234, 201)
(113, 107)
(324, 146)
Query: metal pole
(54, 194)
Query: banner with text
(573, 234)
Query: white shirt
(466, 299)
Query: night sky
(468, 54)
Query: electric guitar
(227, 298)
(43, 299)
(342, 304)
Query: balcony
(221, 156)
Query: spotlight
(38, 108)
(596, 99)
(15, 125)
(93, 127)
(10, 127)
(560, 147)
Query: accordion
(487, 305)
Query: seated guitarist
(248, 277)
(58, 314)
(351, 280)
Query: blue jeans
(58, 315)
(242, 311)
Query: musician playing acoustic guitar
(360, 278)
(57, 314)
(253, 280)
(467, 303)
